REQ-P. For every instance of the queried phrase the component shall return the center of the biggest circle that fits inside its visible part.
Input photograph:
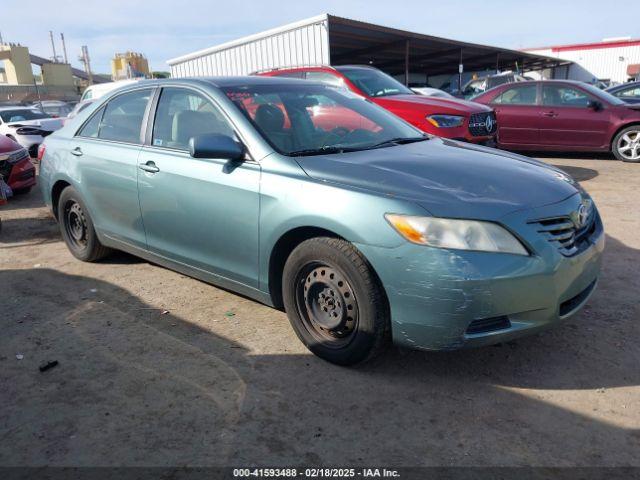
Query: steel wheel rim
(327, 304)
(629, 145)
(75, 224)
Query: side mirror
(213, 145)
(595, 105)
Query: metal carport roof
(395, 51)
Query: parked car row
(320, 201)
(566, 116)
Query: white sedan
(28, 126)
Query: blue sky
(162, 29)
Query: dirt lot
(196, 386)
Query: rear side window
(122, 119)
(92, 127)
(633, 92)
(182, 114)
(525, 95)
(290, 74)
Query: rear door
(202, 212)
(108, 145)
(517, 112)
(566, 120)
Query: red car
(564, 116)
(444, 117)
(15, 166)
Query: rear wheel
(626, 144)
(335, 302)
(77, 228)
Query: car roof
(20, 107)
(623, 86)
(221, 82)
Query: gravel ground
(154, 370)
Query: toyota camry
(317, 201)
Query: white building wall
(297, 44)
(599, 63)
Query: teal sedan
(312, 199)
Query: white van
(98, 90)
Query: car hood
(48, 124)
(447, 178)
(446, 105)
(8, 145)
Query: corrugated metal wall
(303, 45)
(602, 63)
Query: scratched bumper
(435, 294)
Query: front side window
(564, 96)
(325, 77)
(315, 119)
(123, 116)
(182, 114)
(374, 82)
(525, 95)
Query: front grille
(478, 124)
(570, 305)
(562, 232)
(486, 325)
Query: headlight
(17, 156)
(457, 234)
(445, 121)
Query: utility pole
(64, 48)
(53, 46)
(84, 58)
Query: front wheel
(77, 229)
(335, 302)
(626, 144)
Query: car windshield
(601, 94)
(312, 119)
(21, 114)
(374, 82)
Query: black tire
(626, 144)
(335, 302)
(77, 228)
(22, 191)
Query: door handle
(77, 152)
(549, 114)
(149, 167)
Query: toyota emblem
(583, 215)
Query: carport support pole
(460, 73)
(406, 63)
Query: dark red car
(564, 115)
(15, 166)
(445, 117)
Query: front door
(517, 114)
(199, 212)
(566, 119)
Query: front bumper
(435, 294)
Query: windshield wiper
(398, 141)
(323, 150)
